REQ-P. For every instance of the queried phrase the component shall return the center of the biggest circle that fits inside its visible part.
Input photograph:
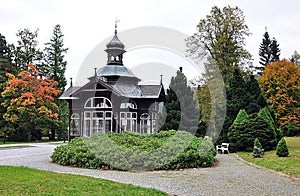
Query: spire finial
(116, 22)
(71, 83)
(161, 77)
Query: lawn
(26, 181)
(289, 165)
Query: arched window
(145, 126)
(128, 104)
(74, 124)
(98, 102)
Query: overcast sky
(87, 23)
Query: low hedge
(129, 151)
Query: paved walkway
(231, 177)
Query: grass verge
(288, 165)
(26, 181)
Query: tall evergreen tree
(6, 66)
(242, 94)
(27, 52)
(54, 58)
(56, 65)
(265, 52)
(256, 100)
(268, 51)
(181, 107)
(275, 51)
(296, 59)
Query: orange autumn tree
(30, 102)
(280, 83)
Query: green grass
(289, 165)
(26, 181)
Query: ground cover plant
(128, 151)
(26, 181)
(289, 165)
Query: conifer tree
(54, 58)
(56, 65)
(268, 51)
(265, 51)
(275, 51)
(181, 108)
(256, 100)
(6, 66)
(282, 149)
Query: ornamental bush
(129, 151)
(258, 151)
(282, 149)
(246, 128)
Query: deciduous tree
(31, 104)
(281, 85)
(221, 35)
(27, 52)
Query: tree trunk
(29, 135)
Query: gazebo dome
(115, 43)
(115, 50)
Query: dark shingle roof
(115, 70)
(151, 90)
(68, 93)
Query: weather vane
(116, 21)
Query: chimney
(180, 69)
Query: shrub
(258, 151)
(291, 130)
(243, 132)
(129, 151)
(282, 149)
(257, 143)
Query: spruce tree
(264, 52)
(236, 100)
(275, 51)
(181, 108)
(6, 66)
(282, 149)
(56, 65)
(256, 100)
(268, 51)
(54, 58)
(243, 132)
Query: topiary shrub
(282, 149)
(257, 143)
(243, 132)
(129, 151)
(258, 151)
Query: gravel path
(231, 177)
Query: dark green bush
(291, 130)
(258, 151)
(282, 149)
(257, 143)
(242, 133)
(128, 151)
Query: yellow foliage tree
(280, 83)
(30, 100)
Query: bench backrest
(225, 145)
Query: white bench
(223, 147)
